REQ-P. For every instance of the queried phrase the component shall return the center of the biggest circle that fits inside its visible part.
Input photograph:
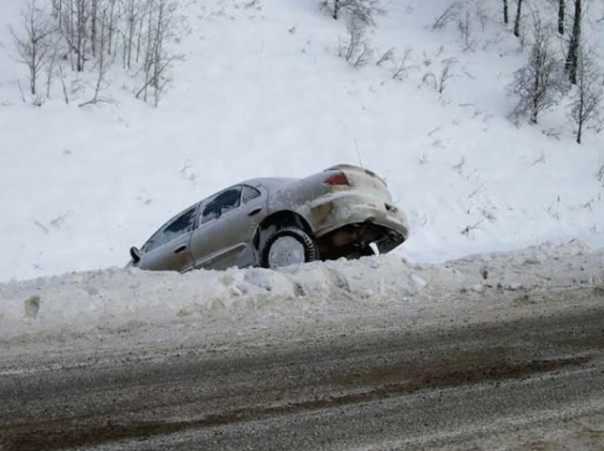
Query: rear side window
(178, 226)
(221, 203)
(249, 193)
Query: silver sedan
(344, 211)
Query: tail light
(337, 179)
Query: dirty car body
(274, 222)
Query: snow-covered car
(274, 222)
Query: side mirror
(135, 253)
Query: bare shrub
(356, 50)
(32, 42)
(365, 10)
(600, 174)
(430, 79)
(63, 85)
(538, 85)
(464, 25)
(387, 56)
(449, 14)
(92, 34)
(439, 82)
(470, 228)
(554, 208)
(588, 94)
(402, 67)
(56, 49)
(445, 74)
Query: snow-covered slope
(262, 92)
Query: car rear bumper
(348, 208)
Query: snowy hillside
(261, 91)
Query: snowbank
(124, 299)
(262, 92)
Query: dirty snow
(129, 301)
(262, 92)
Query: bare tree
(336, 9)
(75, 18)
(537, 84)
(57, 11)
(561, 13)
(92, 34)
(134, 13)
(63, 85)
(56, 47)
(572, 56)
(32, 42)
(588, 94)
(113, 14)
(78, 36)
(82, 18)
(94, 12)
(506, 16)
(518, 19)
(160, 19)
(102, 62)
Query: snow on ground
(93, 304)
(262, 92)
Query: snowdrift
(123, 300)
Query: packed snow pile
(117, 298)
(263, 90)
(125, 299)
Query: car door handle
(255, 211)
(178, 250)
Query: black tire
(308, 245)
(367, 251)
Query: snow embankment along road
(132, 302)
(496, 350)
(366, 383)
(262, 92)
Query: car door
(227, 224)
(168, 248)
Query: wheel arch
(281, 219)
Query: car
(344, 211)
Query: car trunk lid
(348, 176)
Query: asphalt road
(534, 383)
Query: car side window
(221, 203)
(178, 226)
(248, 194)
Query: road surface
(512, 383)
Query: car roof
(268, 182)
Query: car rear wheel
(288, 246)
